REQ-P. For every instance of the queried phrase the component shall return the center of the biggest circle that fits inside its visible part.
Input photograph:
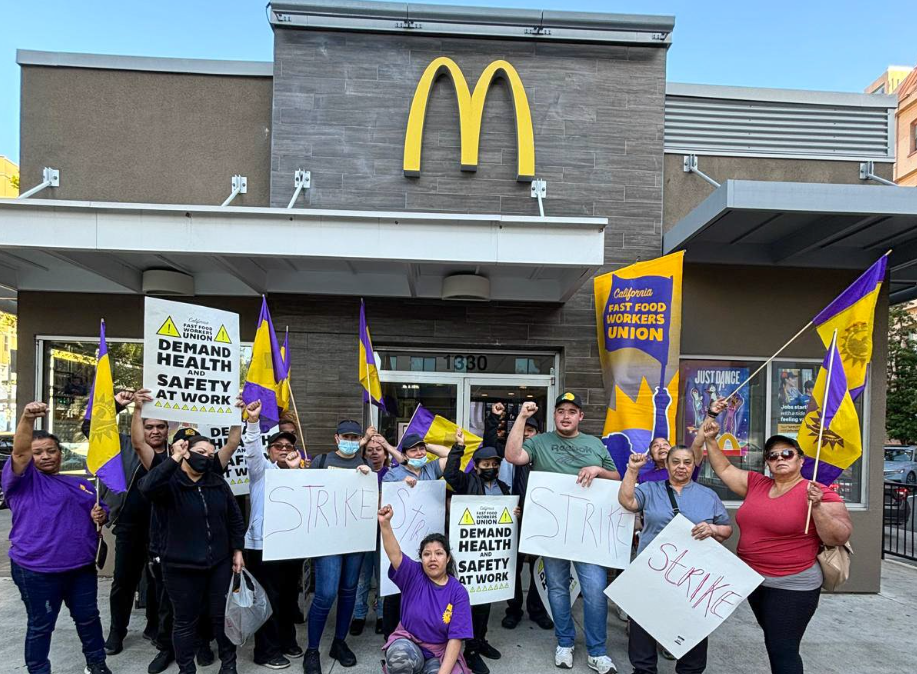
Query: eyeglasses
(286, 446)
(782, 454)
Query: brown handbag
(834, 561)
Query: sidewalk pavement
(850, 633)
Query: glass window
(465, 362)
(404, 397)
(742, 424)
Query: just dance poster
(703, 386)
(638, 322)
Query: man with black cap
(482, 482)
(336, 576)
(567, 451)
(275, 641)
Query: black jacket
(462, 483)
(520, 473)
(201, 524)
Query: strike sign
(190, 363)
(483, 532)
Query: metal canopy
(79, 246)
(804, 225)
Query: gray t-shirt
(431, 471)
(809, 579)
(696, 502)
(334, 460)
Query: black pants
(784, 616)
(391, 614)
(280, 581)
(193, 591)
(533, 603)
(480, 614)
(641, 649)
(131, 558)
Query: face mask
(418, 463)
(489, 474)
(349, 447)
(199, 463)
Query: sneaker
(488, 651)
(665, 653)
(356, 626)
(511, 621)
(544, 622)
(97, 668)
(293, 651)
(342, 653)
(312, 662)
(113, 645)
(378, 629)
(475, 663)
(161, 662)
(602, 664)
(278, 662)
(228, 668)
(204, 655)
(563, 657)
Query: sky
(800, 44)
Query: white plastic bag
(247, 607)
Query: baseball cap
(411, 440)
(349, 426)
(533, 422)
(568, 397)
(281, 435)
(482, 453)
(184, 434)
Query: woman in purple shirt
(435, 608)
(52, 544)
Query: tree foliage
(901, 401)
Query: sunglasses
(781, 454)
(285, 446)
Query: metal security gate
(899, 537)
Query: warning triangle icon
(505, 518)
(168, 329)
(467, 518)
(222, 336)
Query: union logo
(830, 439)
(855, 343)
(447, 614)
(104, 425)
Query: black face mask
(489, 474)
(199, 463)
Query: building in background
(8, 353)
(906, 132)
(9, 179)
(889, 81)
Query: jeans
(43, 594)
(784, 616)
(593, 580)
(131, 558)
(193, 592)
(405, 657)
(336, 577)
(368, 572)
(533, 603)
(280, 580)
(641, 649)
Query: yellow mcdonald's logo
(471, 111)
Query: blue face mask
(349, 447)
(418, 463)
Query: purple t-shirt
(52, 527)
(432, 613)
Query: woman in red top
(772, 520)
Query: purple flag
(856, 291)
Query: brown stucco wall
(120, 135)
(683, 191)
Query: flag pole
(765, 363)
(302, 438)
(821, 425)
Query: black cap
(349, 426)
(282, 435)
(184, 434)
(411, 440)
(482, 453)
(533, 422)
(568, 397)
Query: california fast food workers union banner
(638, 321)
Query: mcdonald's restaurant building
(396, 153)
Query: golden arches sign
(471, 111)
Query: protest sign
(190, 362)
(680, 589)
(236, 472)
(483, 535)
(417, 511)
(569, 521)
(541, 585)
(705, 384)
(314, 513)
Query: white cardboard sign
(541, 584)
(680, 589)
(583, 524)
(314, 513)
(483, 537)
(190, 362)
(417, 511)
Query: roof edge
(885, 101)
(28, 57)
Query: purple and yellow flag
(438, 430)
(104, 456)
(267, 374)
(831, 407)
(853, 315)
(369, 373)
